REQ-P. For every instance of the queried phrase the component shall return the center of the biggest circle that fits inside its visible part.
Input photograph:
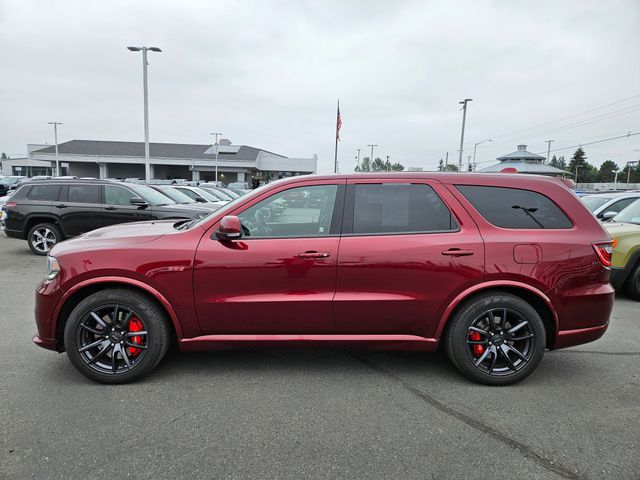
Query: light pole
(55, 136)
(358, 157)
(548, 142)
(144, 50)
(464, 118)
(615, 179)
(217, 134)
(371, 158)
(475, 146)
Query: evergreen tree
(451, 168)
(586, 173)
(397, 167)
(365, 165)
(607, 171)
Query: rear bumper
(569, 338)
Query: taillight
(10, 204)
(603, 251)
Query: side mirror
(609, 215)
(139, 202)
(229, 229)
(200, 200)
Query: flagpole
(335, 158)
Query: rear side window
(388, 208)
(44, 192)
(84, 193)
(515, 208)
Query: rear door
(79, 208)
(118, 209)
(407, 249)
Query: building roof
(156, 150)
(522, 154)
(522, 166)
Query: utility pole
(446, 161)
(629, 163)
(216, 154)
(469, 163)
(464, 119)
(576, 177)
(55, 135)
(358, 161)
(548, 148)
(371, 158)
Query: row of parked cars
(45, 212)
(620, 214)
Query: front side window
(84, 194)
(44, 192)
(388, 208)
(297, 212)
(114, 195)
(515, 208)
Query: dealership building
(113, 159)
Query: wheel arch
(536, 298)
(33, 220)
(82, 290)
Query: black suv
(46, 212)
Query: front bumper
(48, 295)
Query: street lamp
(474, 151)
(216, 144)
(464, 118)
(371, 159)
(144, 50)
(55, 135)
(615, 180)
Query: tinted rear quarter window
(399, 208)
(515, 208)
(47, 193)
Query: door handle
(61, 205)
(457, 252)
(314, 254)
(109, 208)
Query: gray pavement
(313, 413)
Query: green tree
(587, 173)
(397, 167)
(634, 176)
(607, 171)
(451, 168)
(365, 165)
(378, 165)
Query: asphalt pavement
(315, 413)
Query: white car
(605, 206)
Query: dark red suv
(493, 268)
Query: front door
(403, 257)
(118, 208)
(280, 276)
(80, 208)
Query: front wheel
(496, 339)
(116, 336)
(632, 285)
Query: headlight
(53, 268)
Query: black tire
(465, 350)
(42, 237)
(632, 285)
(80, 334)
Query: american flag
(338, 123)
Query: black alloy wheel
(116, 335)
(496, 339)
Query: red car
(493, 268)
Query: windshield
(631, 214)
(177, 196)
(593, 202)
(216, 193)
(153, 197)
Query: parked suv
(625, 260)
(46, 212)
(493, 268)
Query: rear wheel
(116, 336)
(42, 237)
(496, 339)
(632, 285)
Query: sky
(269, 73)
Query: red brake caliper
(477, 349)
(135, 325)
